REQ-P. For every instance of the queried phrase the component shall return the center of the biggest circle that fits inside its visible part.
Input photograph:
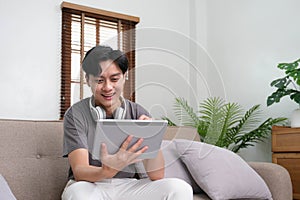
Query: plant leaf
(211, 110)
(170, 123)
(277, 95)
(256, 135)
(296, 96)
(185, 113)
(288, 66)
(247, 123)
(232, 113)
(292, 72)
(202, 129)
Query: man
(114, 176)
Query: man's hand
(145, 117)
(124, 157)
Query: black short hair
(100, 53)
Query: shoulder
(133, 105)
(135, 110)
(80, 105)
(79, 110)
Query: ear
(126, 76)
(87, 80)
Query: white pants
(129, 189)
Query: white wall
(30, 49)
(30, 59)
(247, 39)
(192, 49)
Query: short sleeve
(75, 135)
(134, 110)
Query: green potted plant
(289, 85)
(225, 124)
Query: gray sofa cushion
(174, 167)
(221, 173)
(5, 192)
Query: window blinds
(83, 28)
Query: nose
(107, 86)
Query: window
(82, 28)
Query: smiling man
(116, 176)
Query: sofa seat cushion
(221, 173)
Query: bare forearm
(83, 171)
(92, 173)
(111, 164)
(155, 167)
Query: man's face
(108, 86)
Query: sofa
(32, 166)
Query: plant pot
(295, 118)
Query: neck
(110, 110)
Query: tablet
(113, 133)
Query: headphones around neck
(99, 113)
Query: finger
(136, 145)
(103, 150)
(135, 155)
(126, 143)
(142, 150)
(144, 117)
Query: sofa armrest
(277, 178)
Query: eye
(99, 81)
(115, 79)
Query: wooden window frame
(126, 26)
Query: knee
(180, 185)
(80, 190)
(178, 189)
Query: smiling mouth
(108, 96)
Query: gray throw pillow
(5, 192)
(221, 173)
(174, 167)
